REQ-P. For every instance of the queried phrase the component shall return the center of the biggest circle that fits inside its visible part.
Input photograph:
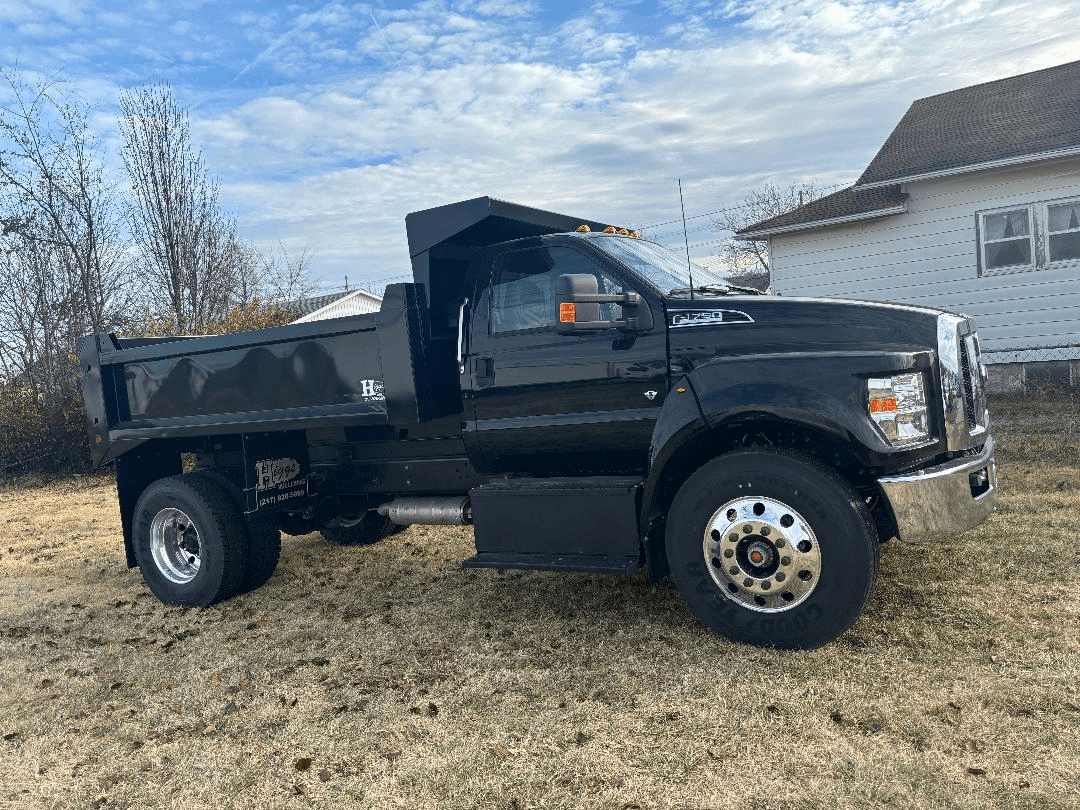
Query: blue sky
(327, 122)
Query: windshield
(662, 267)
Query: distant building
(971, 205)
(337, 305)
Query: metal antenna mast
(686, 240)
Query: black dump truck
(586, 399)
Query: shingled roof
(846, 205)
(1015, 120)
(1034, 116)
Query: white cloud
(327, 125)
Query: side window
(1030, 237)
(1007, 242)
(1063, 224)
(522, 291)
(523, 287)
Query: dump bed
(286, 378)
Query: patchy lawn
(387, 676)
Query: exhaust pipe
(428, 511)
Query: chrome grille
(967, 379)
(974, 385)
(963, 389)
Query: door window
(523, 287)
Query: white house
(338, 305)
(972, 205)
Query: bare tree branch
(198, 268)
(751, 258)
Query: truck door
(542, 402)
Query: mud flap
(276, 472)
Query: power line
(727, 209)
(372, 285)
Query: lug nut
(764, 531)
(729, 553)
(780, 542)
(747, 582)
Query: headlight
(897, 405)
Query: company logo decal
(708, 317)
(277, 481)
(371, 391)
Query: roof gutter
(974, 167)
(753, 236)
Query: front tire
(771, 548)
(190, 541)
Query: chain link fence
(1033, 370)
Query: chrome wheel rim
(762, 554)
(175, 546)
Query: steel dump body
(294, 377)
(328, 370)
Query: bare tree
(54, 189)
(198, 267)
(63, 265)
(751, 258)
(286, 277)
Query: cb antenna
(686, 240)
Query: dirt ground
(389, 677)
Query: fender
(831, 401)
(775, 387)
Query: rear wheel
(370, 528)
(190, 541)
(768, 547)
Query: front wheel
(770, 548)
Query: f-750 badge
(708, 317)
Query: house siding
(929, 256)
(354, 303)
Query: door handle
(484, 371)
(461, 336)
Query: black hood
(739, 325)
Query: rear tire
(263, 552)
(369, 529)
(262, 536)
(771, 548)
(190, 541)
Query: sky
(326, 123)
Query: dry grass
(389, 677)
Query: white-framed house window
(1063, 228)
(1028, 237)
(1007, 240)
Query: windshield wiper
(714, 289)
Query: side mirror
(578, 298)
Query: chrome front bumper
(945, 500)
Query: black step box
(558, 516)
